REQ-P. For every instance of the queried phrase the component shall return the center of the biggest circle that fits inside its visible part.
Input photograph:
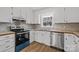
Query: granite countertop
(6, 33)
(62, 31)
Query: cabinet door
(72, 14)
(59, 15)
(29, 14)
(42, 37)
(45, 37)
(23, 13)
(5, 14)
(32, 36)
(16, 12)
(37, 17)
(38, 37)
(77, 44)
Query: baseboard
(57, 48)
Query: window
(46, 20)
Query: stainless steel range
(22, 38)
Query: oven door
(21, 38)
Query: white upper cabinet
(72, 14)
(59, 15)
(5, 14)
(29, 16)
(16, 12)
(23, 13)
(66, 15)
(36, 17)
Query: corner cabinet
(71, 43)
(5, 14)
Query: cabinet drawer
(8, 44)
(2, 48)
(12, 49)
(2, 43)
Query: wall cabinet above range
(16, 12)
(19, 13)
(24, 13)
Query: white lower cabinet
(71, 43)
(45, 37)
(42, 37)
(58, 40)
(7, 42)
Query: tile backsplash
(4, 27)
(64, 26)
(72, 27)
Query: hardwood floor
(38, 47)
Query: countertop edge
(6, 33)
